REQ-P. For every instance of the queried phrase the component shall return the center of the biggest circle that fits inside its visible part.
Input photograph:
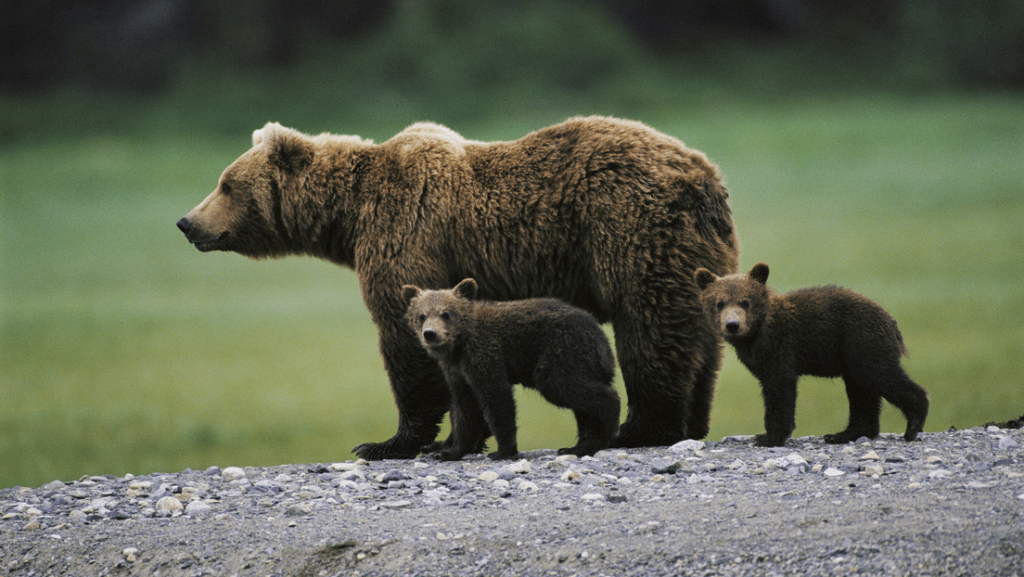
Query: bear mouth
(209, 245)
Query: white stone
(488, 476)
(527, 486)
(870, 456)
(169, 504)
(687, 445)
(570, 475)
(939, 474)
(130, 554)
(232, 474)
(833, 472)
(785, 462)
(593, 497)
(872, 470)
(521, 467)
(197, 508)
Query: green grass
(124, 350)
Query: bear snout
(201, 239)
(733, 321)
(429, 335)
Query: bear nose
(184, 225)
(429, 335)
(732, 325)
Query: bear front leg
(420, 393)
(468, 427)
(660, 364)
(493, 392)
(779, 394)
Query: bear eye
(720, 305)
(225, 189)
(445, 316)
(745, 304)
(423, 318)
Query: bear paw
(503, 455)
(768, 441)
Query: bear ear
(759, 273)
(704, 277)
(287, 149)
(410, 292)
(466, 289)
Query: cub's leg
(779, 396)
(865, 408)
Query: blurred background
(877, 145)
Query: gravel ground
(950, 504)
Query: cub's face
(438, 316)
(246, 212)
(734, 304)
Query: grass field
(123, 350)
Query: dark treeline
(138, 45)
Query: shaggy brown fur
(485, 347)
(824, 332)
(608, 215)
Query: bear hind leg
(597, 420)
(910, 398)
(865, 408)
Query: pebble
(169, 504)
(1007, 443)
(197, 508)
(232, 474)
(971, 460)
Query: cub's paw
(766, 441)
(446, 455)
(380, 451)
(503, 456)
(434, 447)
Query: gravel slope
(950, 504)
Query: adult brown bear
(606, 214)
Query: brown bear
(822, 331)
(608, 215)
(485, 347)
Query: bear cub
(822, 331)
(484, 347)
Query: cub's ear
(287, 149)
(466, 289)
(759, 273)
(410, 292)
(704, 277)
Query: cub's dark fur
(824, 332)
(485, 347)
